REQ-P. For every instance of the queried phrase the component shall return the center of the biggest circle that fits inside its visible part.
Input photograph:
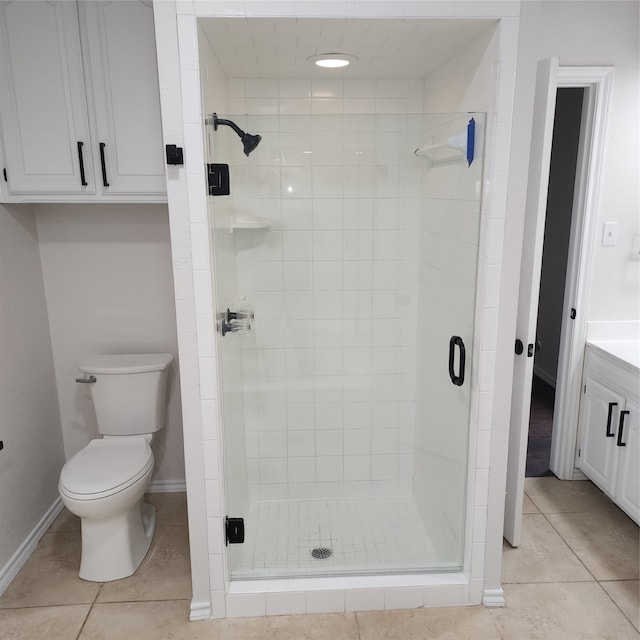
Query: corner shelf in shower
(463, 143)
(249, 223)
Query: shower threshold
(321, 537)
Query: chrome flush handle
(89, 380)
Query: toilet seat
(106, 467)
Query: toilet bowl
(105, 482)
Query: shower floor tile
(362, 535)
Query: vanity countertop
(626, 351)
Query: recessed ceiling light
(332, 60)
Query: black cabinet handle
(609, 416)
(83, 182)
(104, 165)
(620, 427)
(456, 341)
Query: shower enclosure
(345, 268)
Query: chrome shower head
(249, 140)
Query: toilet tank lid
(125, 363)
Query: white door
(538, 182)
(120, 45)
(42, 99)
(628, 445)
(599, 414)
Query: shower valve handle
(247, 314)
(235, 321)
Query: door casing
(597, 84)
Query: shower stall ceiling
(345, 441)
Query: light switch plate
(609, 234)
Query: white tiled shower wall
(329, 373)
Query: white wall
(580, 33)
(33, 452)
(606, 33)
(109, 289)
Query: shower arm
(215, 121)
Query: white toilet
(104, 483)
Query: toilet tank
(129, 394)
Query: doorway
(595, 83)
(555, 254)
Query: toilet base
(114, 547)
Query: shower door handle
(456, 341)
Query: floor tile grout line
(594, 579)
(553, 582)
(615, 604)
(142, 601)
(570, 547)
(45, 606)
(532, 501)
(546, 514)
(86, 618)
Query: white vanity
(609, 428)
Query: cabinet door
(599, 414)
(628, 489)
(42, 99)
(120, 44)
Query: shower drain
(321, 553)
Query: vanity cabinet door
(599, 416)
(43, 109)
(628, 487)
(119, 42)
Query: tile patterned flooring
(575, 577)
(365, 533)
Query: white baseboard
(200, 611)
(551, 381)
(167, 486)
(10, 570)
(578, 475)
(493, 597)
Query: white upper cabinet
(79, 101)
(43, 110)
(119, 42)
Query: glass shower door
(447, 288)
(346, 406)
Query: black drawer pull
(456, 341)
(104, 165)
(620, 427)
(83, 181)
(609, 416)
